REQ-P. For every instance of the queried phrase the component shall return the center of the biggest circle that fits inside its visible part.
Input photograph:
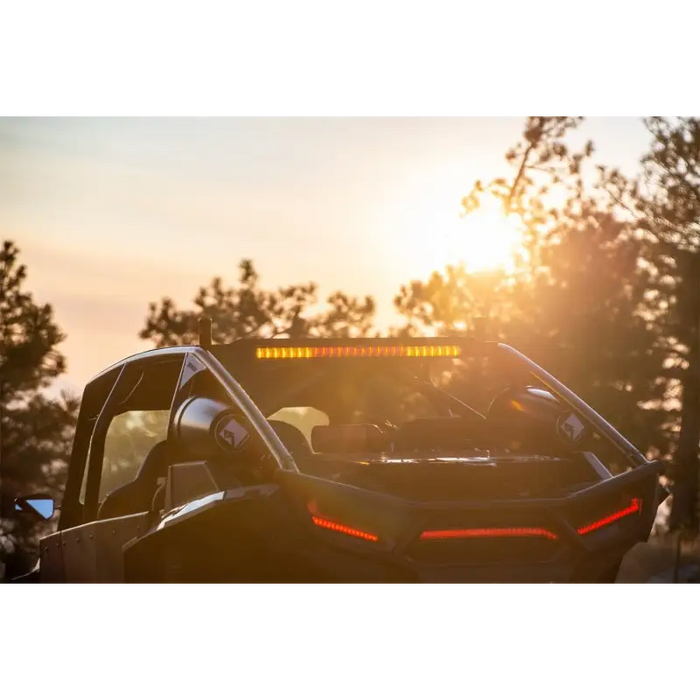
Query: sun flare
(482, 241)
(490, 241)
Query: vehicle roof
(224, 350)
(172, 351)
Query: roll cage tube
(574, 402)
(633, 455)
(71, 511)
(252, 413)
(121, 389)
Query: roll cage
(224, 362)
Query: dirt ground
(655, 562)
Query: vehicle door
(122, 423)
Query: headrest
(154, 465)
(347, 438)
(292, 438)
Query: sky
(111, 214)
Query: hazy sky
(113, 213)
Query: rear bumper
(569, 553)
(597, 568)
(268, 535)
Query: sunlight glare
(484, 240)
(491, 240)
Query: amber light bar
(332, 351)
(488, 532)
(634, 507)
(337, 527)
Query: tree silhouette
(248, 310)
(577, 302)
(35, 431)
(664, 204)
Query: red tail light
(634, 507)
(337, 527)
(488, 532)
(321, 520)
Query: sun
(483, 241)
(489, 241)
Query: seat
(445, 433)
(292, 438)
(348, 438)
(137, 495)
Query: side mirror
(38, 505)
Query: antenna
(205, 339)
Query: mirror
(39, 505)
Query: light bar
(337, 527)
(488, 532)
(634, 507)
(332, 351)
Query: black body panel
(267, 534)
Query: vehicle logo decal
(192, 366)
(231, 435)
(571, 428)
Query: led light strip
(337, 527)
(330, 351)
(488, 532)
(634, 507)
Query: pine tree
(577, 301)
(248, 310)
(35, 431)
(664, 203)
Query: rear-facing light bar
(634, 507)
(488, 532)
(331, 351)
(343, 529)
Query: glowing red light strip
(634, 507)
(336, 527)
(488, 532)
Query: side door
(117, 437)
(222, 453)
